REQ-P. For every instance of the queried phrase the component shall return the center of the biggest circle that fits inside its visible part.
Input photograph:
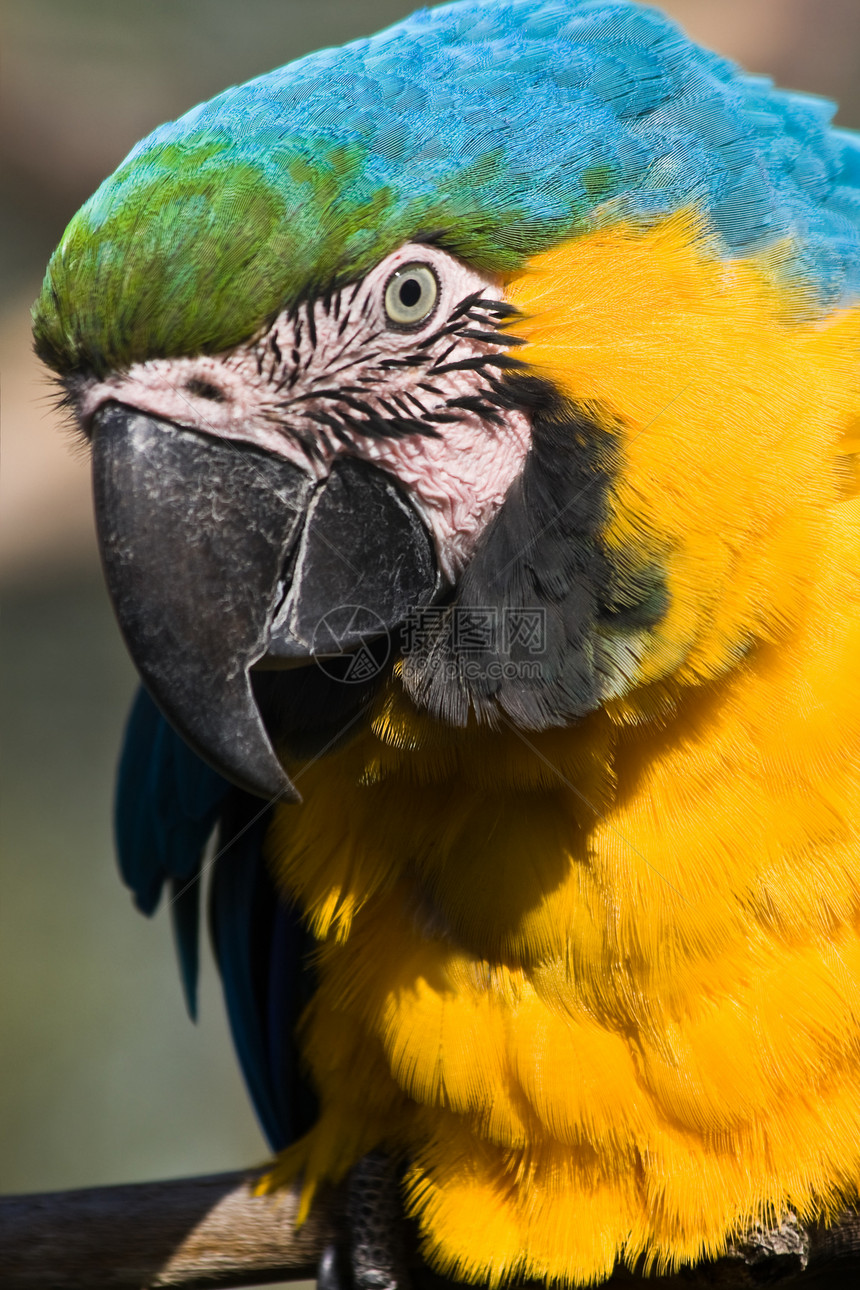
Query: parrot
(474, 413)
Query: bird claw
(370, 1250)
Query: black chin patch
(520, 636)
(311, 710)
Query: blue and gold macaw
(473, 413)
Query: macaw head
(291, 327)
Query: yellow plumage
(601, 986)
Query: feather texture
(496, 127)
(603, 984)
(600, 984)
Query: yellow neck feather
(602, 984)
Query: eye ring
(411, 295)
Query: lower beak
(220, 558)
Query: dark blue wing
(168, 805)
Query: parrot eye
(411, 294)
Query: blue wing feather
(241, 920)
(185, 917)
(168, 804)
(290, 987)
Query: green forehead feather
(192, 248)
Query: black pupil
(410, 292)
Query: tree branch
(188, 1232)
(195, 1233)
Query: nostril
(204, 390)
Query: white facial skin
(337, 374)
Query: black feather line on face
(341, 410)
(541, 562)
(306, 710)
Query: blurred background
(103, 1078)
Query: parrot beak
(220, 558)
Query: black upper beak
(220, 557)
